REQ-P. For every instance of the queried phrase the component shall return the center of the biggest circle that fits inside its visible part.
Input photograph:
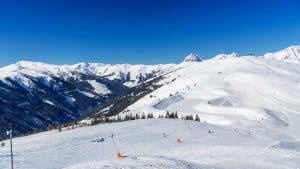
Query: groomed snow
(143, 145)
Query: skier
(164, 134)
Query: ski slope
(142, 144)
(234, 91)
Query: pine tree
(197, 118)
(176, 115)
(50, 127)
(59, 128)
(143, 116)
(131, 117)
(137, 116)
(172, 115)
(189, 117)
(149, 115)
(119, 118)
(167, 114)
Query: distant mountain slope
(34, 94)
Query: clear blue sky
(143, 31)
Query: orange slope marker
(178, 141)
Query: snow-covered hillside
(142, 144)
(239, 92)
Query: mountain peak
(227, 56)
(192, 57)
(290, 54)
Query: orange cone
(119, 155)
(178, 141)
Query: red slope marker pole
(119, 155)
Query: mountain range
(225, 89)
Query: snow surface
(142, 144)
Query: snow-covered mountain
(290, 54)
(130, 75)
(227, 56)
(34, 95)
(230, 92)
(192, 57)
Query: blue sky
(143, 31)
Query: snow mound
(192, 57)
(226, 56)
(290, 54)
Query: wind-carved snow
(98, 87)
